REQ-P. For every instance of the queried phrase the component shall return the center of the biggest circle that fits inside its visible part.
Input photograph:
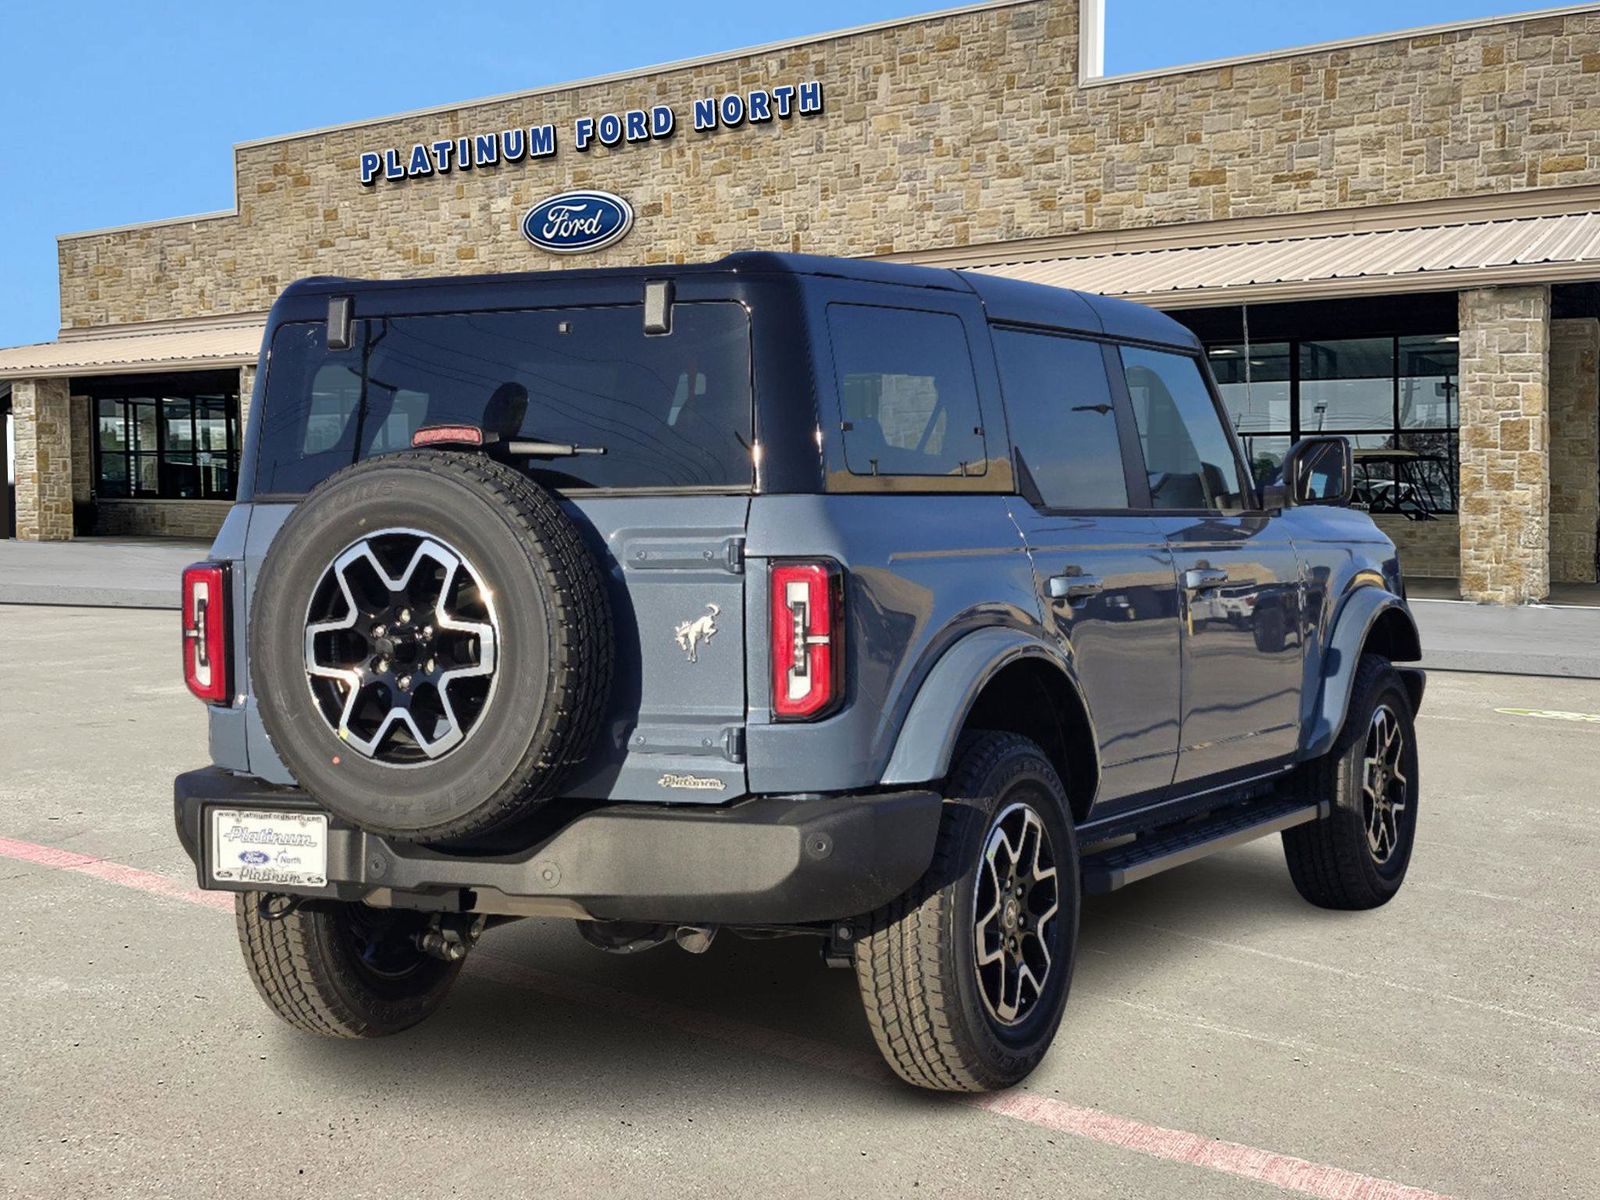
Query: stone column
(1505, 444)
(1574, 449)
(42, 428)
(82, 448)
(247, 387)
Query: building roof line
(1365, 39)
(627, 75)
(813, 39)
(636, 73)
(214, 215)
(1409, 214)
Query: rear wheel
(964, 978)
(1356, 857)
(342, 970)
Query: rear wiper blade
(476, 436)
(550, 449)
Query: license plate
(282, 849)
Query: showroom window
(1395, 398)
(167, 438)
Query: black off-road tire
(915, 965)
(554, 662)
(1330, 860)
(309, 969)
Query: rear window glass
(906, 387)
(670, 411)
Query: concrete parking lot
(1223, 1038)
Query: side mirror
(1318, 470)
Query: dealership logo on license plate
(281, 849)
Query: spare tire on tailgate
(430, 644)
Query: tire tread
(901, 961)
(1328, 864)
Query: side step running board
(1173, 845)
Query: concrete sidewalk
(1534, 640)
(97, 572)
(1456, 636)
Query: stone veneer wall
(955, 130)
(41, 414)
(247, 388)
(161, 518)
(1426, 548)
(1505, 444)
(82, 449)
(1574, 449)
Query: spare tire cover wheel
(430, 644)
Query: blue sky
(116, 112)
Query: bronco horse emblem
(702, 629)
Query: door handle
(1075, 587)
(1197, 579)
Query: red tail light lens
(807, 639)
(205, 631)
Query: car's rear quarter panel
(922, 571)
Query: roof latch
(339, 313)
(657, 306)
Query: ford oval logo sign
(578, 222)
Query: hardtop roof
(1005, 300)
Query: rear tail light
(205, 631)
(807, 639)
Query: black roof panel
(1004, 299)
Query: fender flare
(927, 737)
(1358, 612)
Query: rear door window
(1063, 419)
(907, 391)
(1188, 454)
(668, 411)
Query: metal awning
(133, 352)
(1541, 249)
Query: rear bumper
(768, 860)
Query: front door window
(1188, 455)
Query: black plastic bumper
(764, 861)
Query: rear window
(670, 411)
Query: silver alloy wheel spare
(1014, 907)
(417, 603)
(400, 647)
(1384, 787)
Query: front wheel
(342, 970)
(964, 978)
(1356, 857)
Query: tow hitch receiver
(450, 935)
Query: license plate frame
(261, 849)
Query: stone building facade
(982, 137)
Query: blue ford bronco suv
(891, 606)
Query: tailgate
(674, 566)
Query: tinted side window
(1063, 420)
(308, 429)
(1187, 452)
(907, 389)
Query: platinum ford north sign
(578, 222)
(493, 147)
